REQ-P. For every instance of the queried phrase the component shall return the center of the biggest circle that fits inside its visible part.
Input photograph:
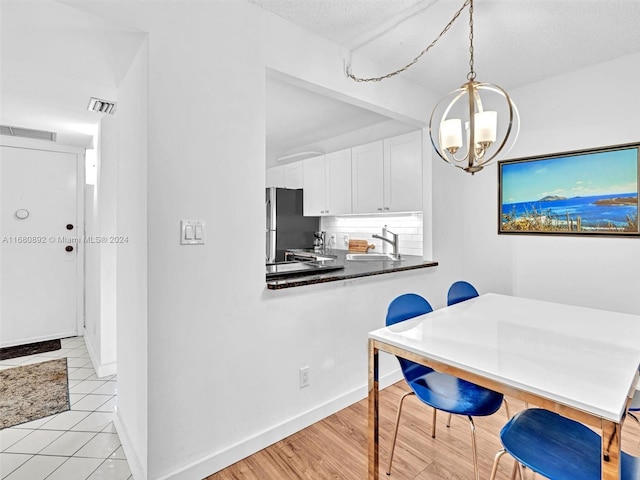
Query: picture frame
(592, 192)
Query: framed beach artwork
(588, 192)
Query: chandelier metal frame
(477, 153)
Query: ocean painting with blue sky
(586, 192)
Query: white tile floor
(80, 444)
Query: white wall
(232, 386)
(224, 352)
(131, 226)
(589, 108)
(100, 287)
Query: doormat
(33, 391)
(29, 349)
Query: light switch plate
(192, 232)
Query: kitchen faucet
(394, 242)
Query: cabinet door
(313, 185)
(403, 173)
(293, 175)
(275, 177)
(338, 182)
(367, 178)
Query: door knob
(69, 248)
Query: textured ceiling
(347, 23)
(517, 42)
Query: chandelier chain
(472, 73)
(415, 60)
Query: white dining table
(579, 362)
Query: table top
(580, 357)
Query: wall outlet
(346, 239)
(332, 240)
(304, 377)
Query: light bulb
(486, 125)
(451, 134)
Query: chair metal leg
(449, 420)
(496, 461)
(506, 407)
(433, 424)
(516, 468)
(395, 433)
(475, 450)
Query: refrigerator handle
(270, 255)
(270, 251)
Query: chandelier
(464, 127)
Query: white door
(38, 250)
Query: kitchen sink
(286, 269)
(369, 257)
(320, 258)
(301, 255)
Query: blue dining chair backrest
(460, 291)
(407, 306)
(402, 308)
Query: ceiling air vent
(28, 133)
(102, 106)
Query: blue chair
(438, 390)
(557, 447)
(460, 291)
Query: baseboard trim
(135, 465)
(102, 370)
(217, 461)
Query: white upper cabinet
(275, 177)
(293, 175)
(367, 178)
(379, 177)
(285, 176)
(327, 184)
(403, 173)
(387, 175)
(313, 186)
(338, 182)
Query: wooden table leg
(374, 450)
(610, 450)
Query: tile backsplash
(408, 226)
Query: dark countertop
(352, 269)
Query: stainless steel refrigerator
(287, 227)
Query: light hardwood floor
(336, 447)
